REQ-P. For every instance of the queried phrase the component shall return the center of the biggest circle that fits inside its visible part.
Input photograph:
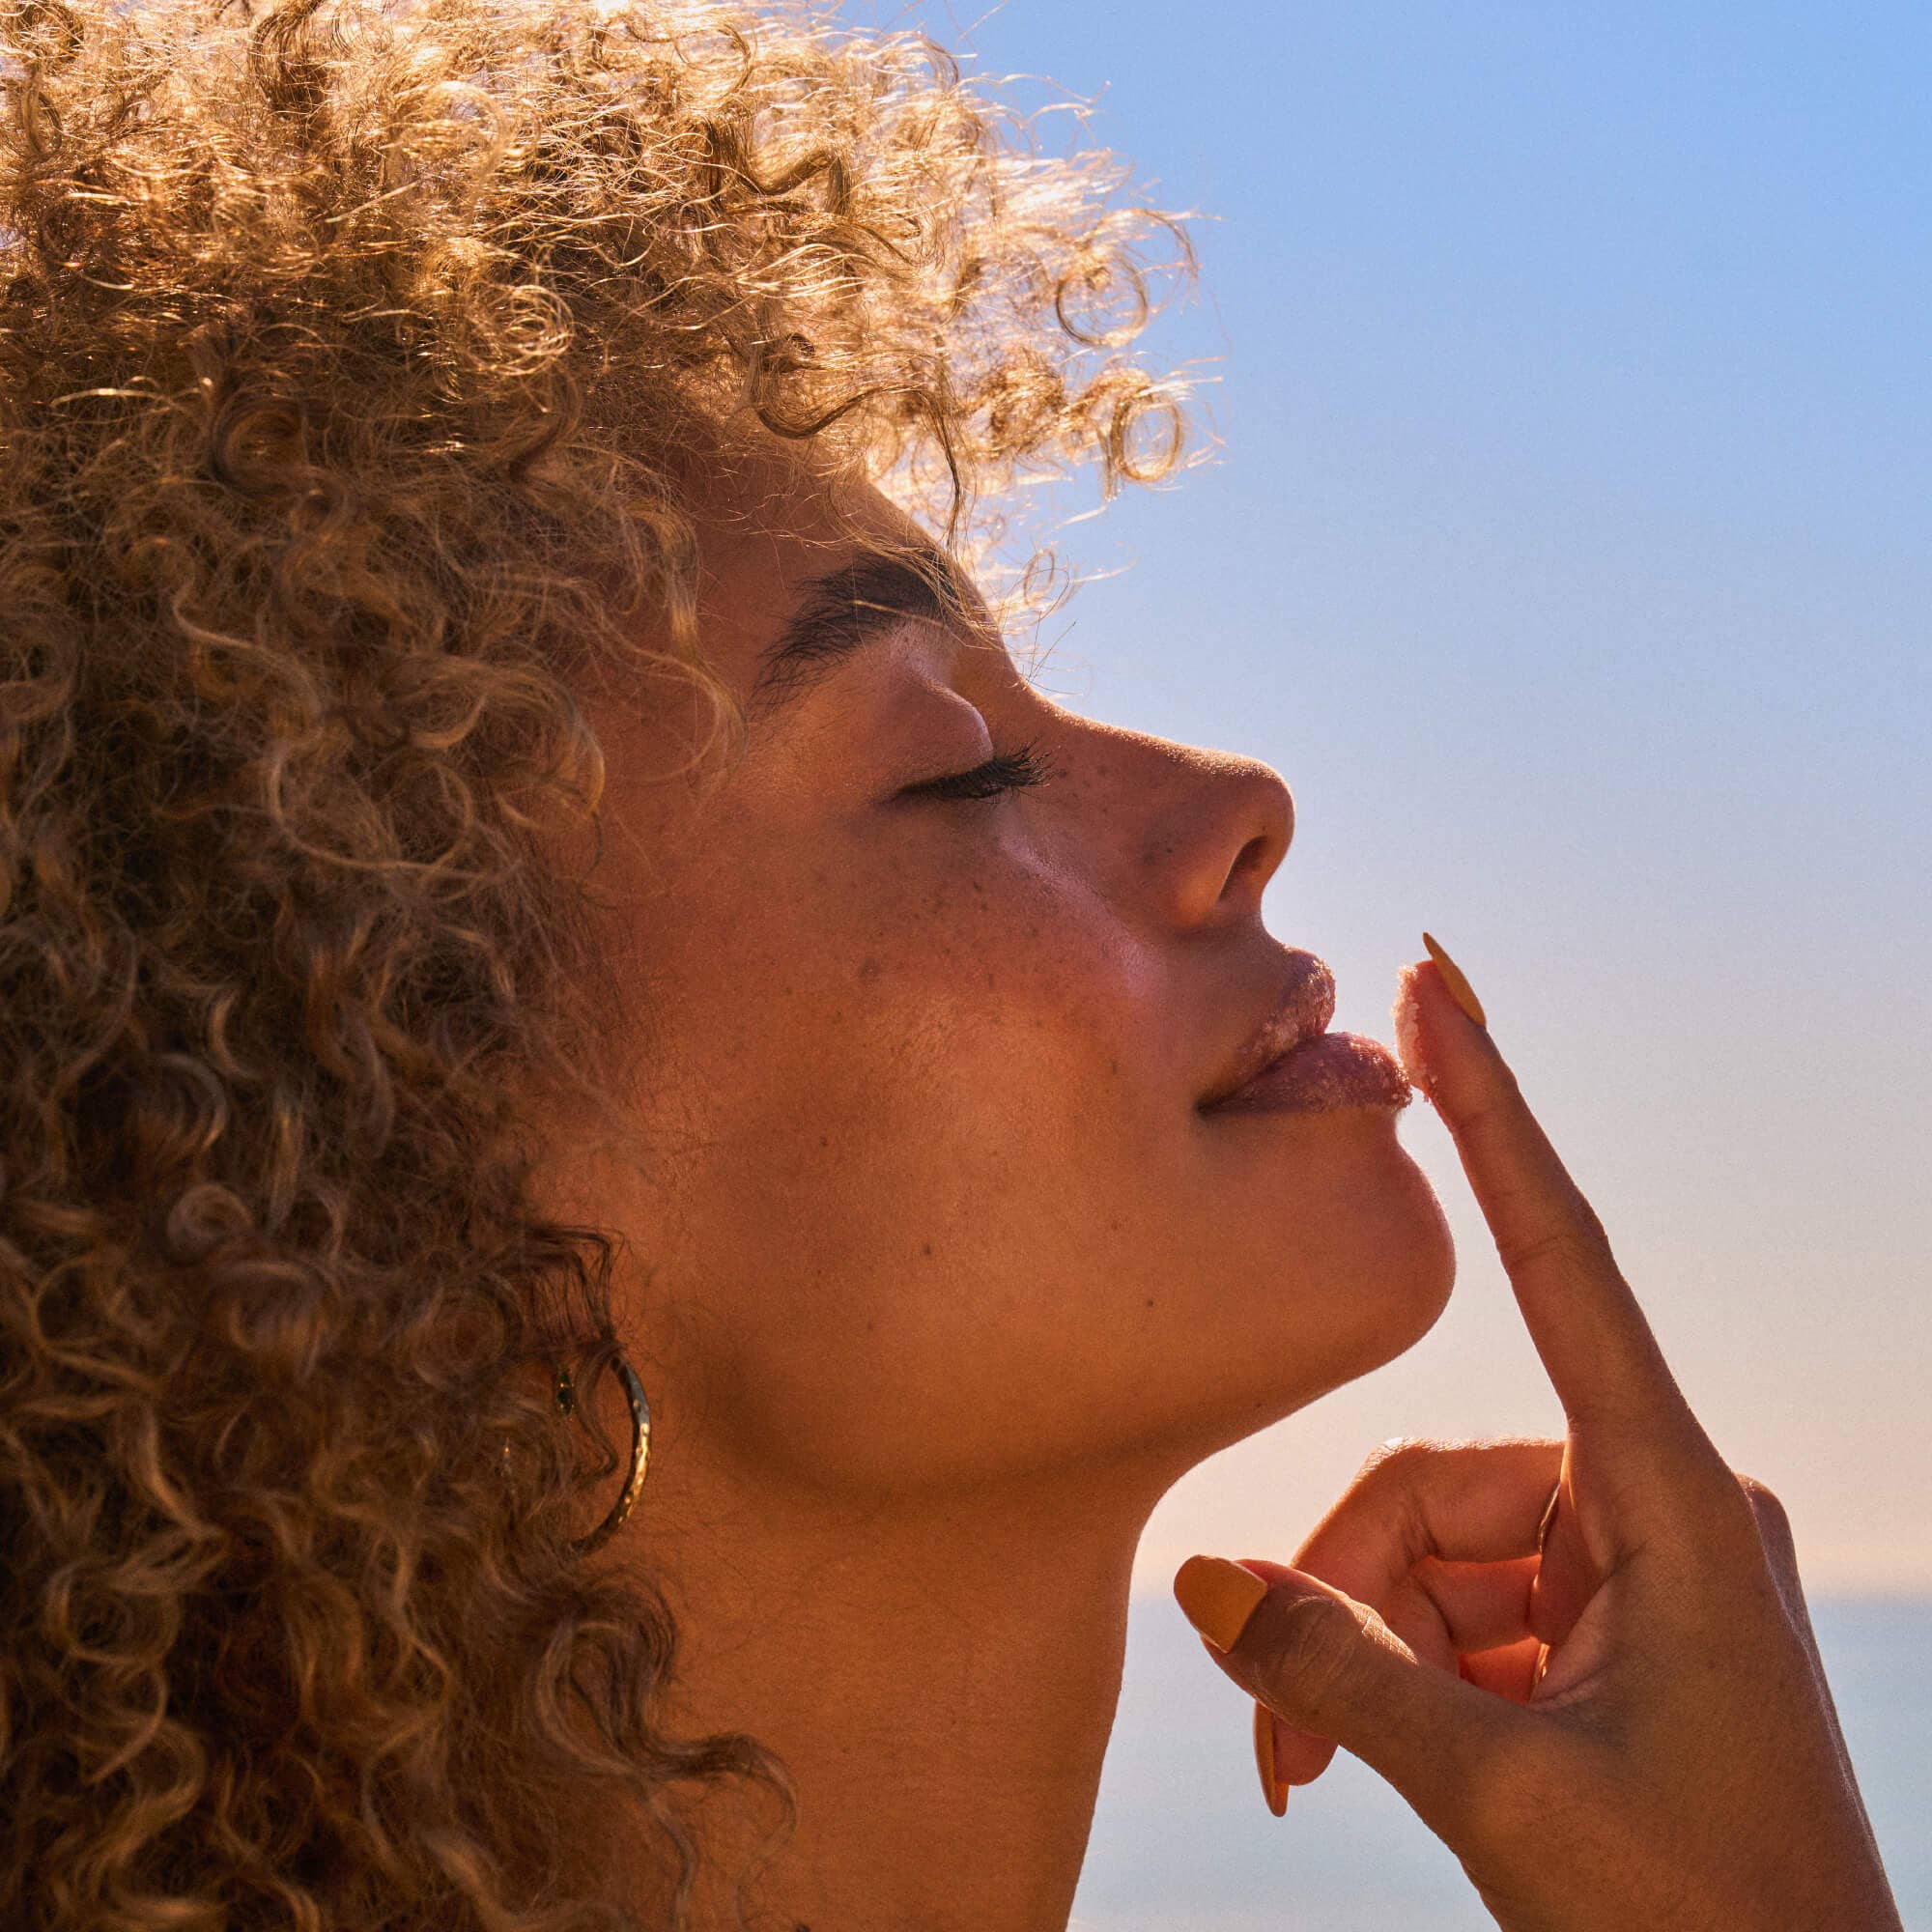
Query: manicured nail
(1273, 1791)
(1460, 988)
(1217, 1597)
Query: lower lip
(1333, 1069)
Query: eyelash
(1006, 771)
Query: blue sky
(1567, 554)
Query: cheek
(947, 1109)
(943, 1013)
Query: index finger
(1601, 1358)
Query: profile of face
(913, 1156)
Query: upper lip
(1303, 1005)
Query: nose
(1219, 825)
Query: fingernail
(1217, 1597)
(1274, 1791)
(1460, 989)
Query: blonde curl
(345, 353)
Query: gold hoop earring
(641, 1450)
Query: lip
(1329, 1070)
(1304, 1004)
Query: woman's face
(913, 1154)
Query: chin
(1387, 1279)
(1416, 1266)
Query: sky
(1565, 551)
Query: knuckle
(1495, 1110)
(1763, 1500)
(1577, 1245)
(1397, 1460)
(1710, 1509)
(1314, 1640)
(1772, 1522)
(1392, 1485)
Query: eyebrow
(841, 613)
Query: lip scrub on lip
(1327, 1070)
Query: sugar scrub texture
(1408, 1029)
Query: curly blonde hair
(346, 353)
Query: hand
(1614, 1713)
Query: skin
(940, 1280)
(1586, 1663)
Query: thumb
(1330, 1665)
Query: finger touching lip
(1581, 1314)
(1434, 1032)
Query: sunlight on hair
(351, 358)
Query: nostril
(1253, 857)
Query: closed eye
(1005, 771)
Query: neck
(940, 1681)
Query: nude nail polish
(1460, 989)
(1273, 1791)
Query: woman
(605, 1245)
